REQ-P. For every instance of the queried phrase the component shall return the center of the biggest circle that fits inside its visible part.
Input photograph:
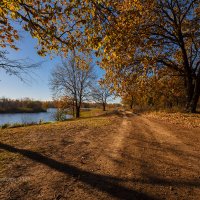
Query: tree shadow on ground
(104, 183)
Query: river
(26, 118)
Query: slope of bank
(124, 156)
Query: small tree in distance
(73, 78)
(100, 94)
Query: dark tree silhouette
(18, 67)
(100, 94)
(73, 79)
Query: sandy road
(169, 162)
(134, 158)
(154, 158)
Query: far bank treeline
(23, 106)
(27, 105)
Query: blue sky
(38, 85)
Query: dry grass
(100, 157)
(184, 119)
(12, 135)
(92, 112)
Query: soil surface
(109, 157)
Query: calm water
(29, 117)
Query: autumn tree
(73, 79)
(59, 26)
(168, 89)
(176, 33)
(156, 34)
(161, 89)
(64, 105)
(100, 94)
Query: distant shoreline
(22, 110)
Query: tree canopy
(131, 36)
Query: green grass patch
(16, 125)
(91, 112)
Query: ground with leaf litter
(127, 156)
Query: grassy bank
(92, 112)
(16, 125)
(20, 134)
(94, 156)
(84, 114)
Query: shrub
(5, 126)
(60, 115)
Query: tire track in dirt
(165, 162)
(110, 159)
(169, 138)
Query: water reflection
(29, 117)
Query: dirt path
(112, 151)
(168, 162)
(131, 157)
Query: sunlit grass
(185, 119)
(83, 114)
(16, 136)
(16, 125)
(5, 158)
(91, 112)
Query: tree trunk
(77, 105)
(192, 81)
(77, 111)
(177, 101)
(131, 104)
(189, 92)
(104, 107)
(73, 109)
(193, 100)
